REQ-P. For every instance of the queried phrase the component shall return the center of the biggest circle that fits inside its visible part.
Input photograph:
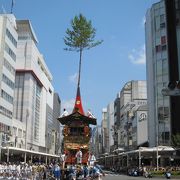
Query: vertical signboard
(142, 134)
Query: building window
(6, 80)
(164, 47)
(5, 112)
(23, 38)
(162, 25)
(9, 67)
(163, 40)
(158, 48)
(162, 18)
(4, 128)
(10, 52)
(11, 38)
(6, 96)
(163, 113)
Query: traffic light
(173, 89)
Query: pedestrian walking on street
(85, 171)
(97, 171)
(57, 172)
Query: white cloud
(137, 56)
(68, 105)
(73, 78)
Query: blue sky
(105, 68)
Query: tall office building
(110, 125)
(26, 97)
(57, 127)
(8, 49)
(163, 62)
(133, 94)
(97, 141)
(116, 120)
(34, 92)
(104, 129)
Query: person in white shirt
(89, 114)
(79, 157)
(63, 159)
(91, 159)
(18, 169)
(65, 113)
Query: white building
(8, 51)
(139, 126)
(33, 103)
(26, 101)
(162, 60)
(133, 95)
(56, 125)
(104, 129)
(110, 125)
(96, 141)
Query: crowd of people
(52, 171)
(29, 171)
(75, 172)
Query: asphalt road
(113, 176)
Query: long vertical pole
(79, 75)
(139, 157)
(157, 158)
(27, 115)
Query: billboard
(142, 130)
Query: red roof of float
(76, 116)
(78, 103)
(78, 113)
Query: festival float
(77, 132)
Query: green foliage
(81, 36)
(176, 140)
